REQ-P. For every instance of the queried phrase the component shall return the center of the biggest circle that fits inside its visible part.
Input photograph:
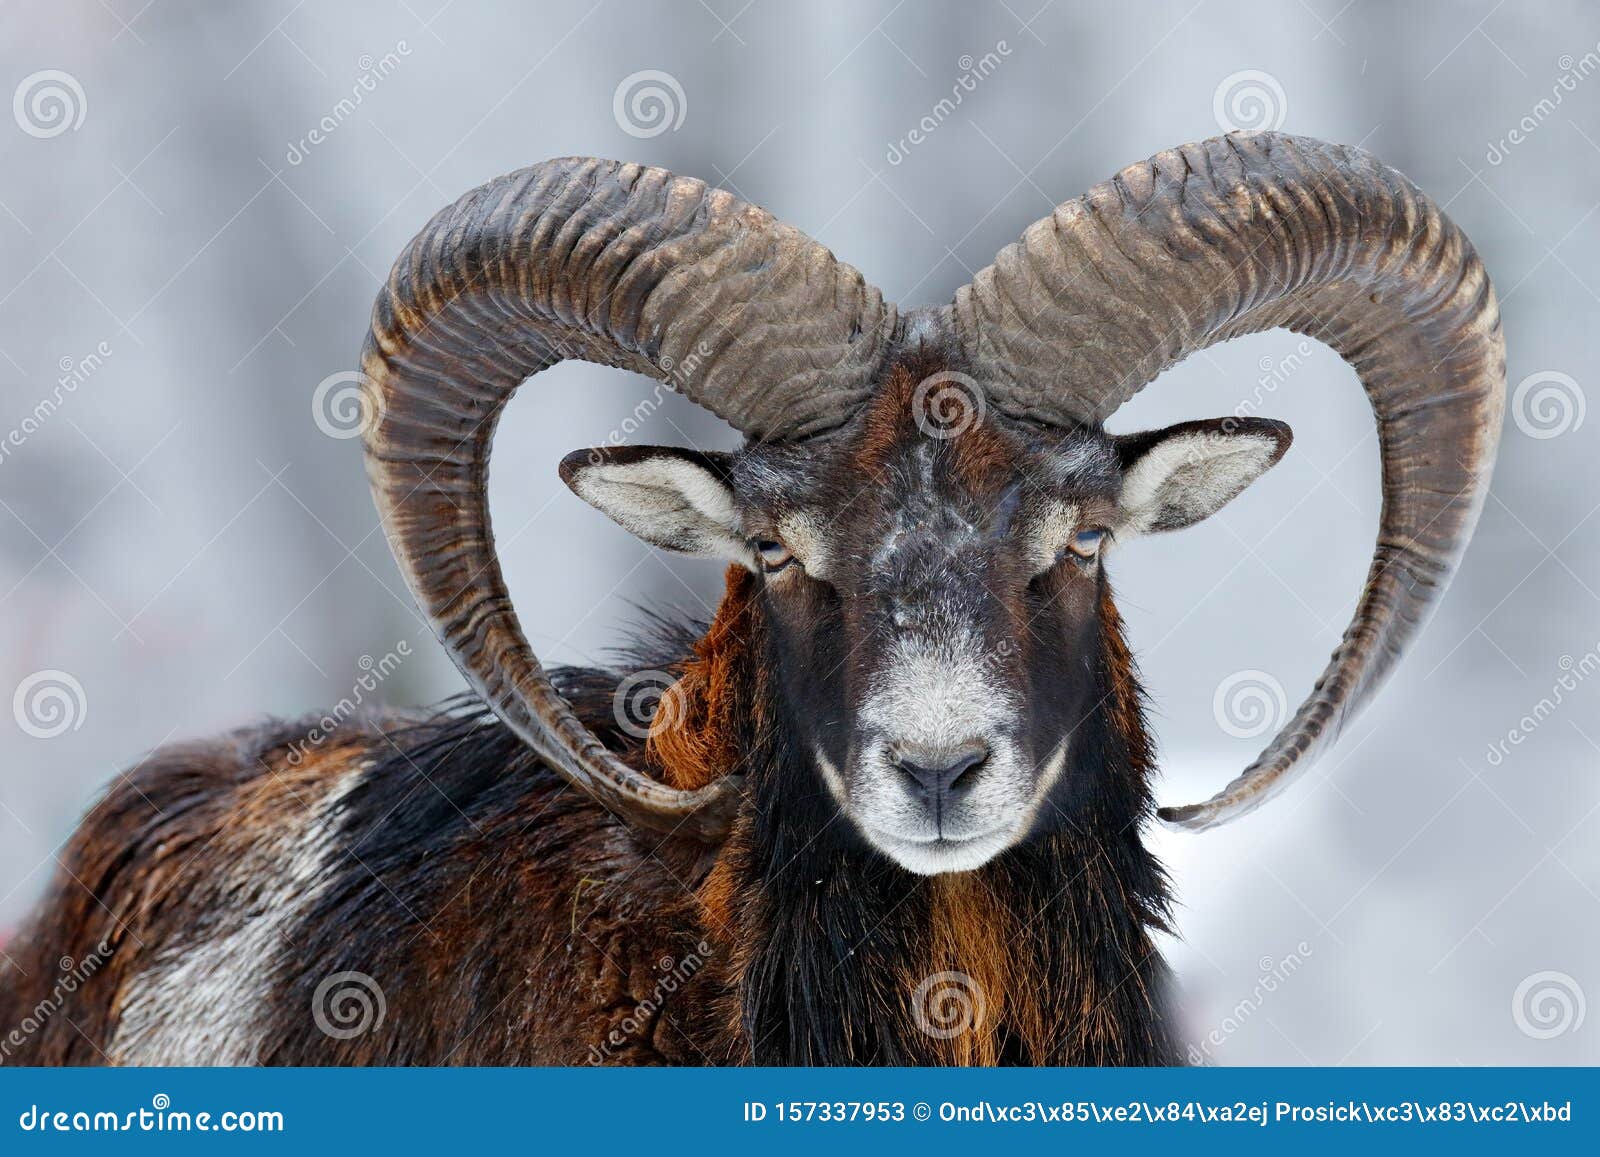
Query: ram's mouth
(940, 854)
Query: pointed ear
(1176, 477)
(679, 500)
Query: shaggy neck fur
(838, 956)
(508, 920)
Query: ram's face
(932, 582)
(933, 588)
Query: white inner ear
(668, 502)
(1189, 477)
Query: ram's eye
(774, 555)
(1086, 543)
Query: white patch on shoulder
(201, 1003)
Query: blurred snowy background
(197, 203)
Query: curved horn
(619, 264)
(1251, 232)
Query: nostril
(939, 770)
(968, 767)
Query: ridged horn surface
(619, 264)
(1252, 232)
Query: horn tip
(1195, 817)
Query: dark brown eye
(1086, 543)
(774, 555)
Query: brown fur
(550, 951)
(973, 934)
(694, 737)
(144, 862)
(542, 938)
(1125, 700)
(981, 456)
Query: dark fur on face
(1041, 956)
(934, 605)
